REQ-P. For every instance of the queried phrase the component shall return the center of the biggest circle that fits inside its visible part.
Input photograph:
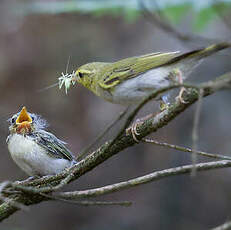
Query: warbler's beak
(23, 121)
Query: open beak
(23, 121)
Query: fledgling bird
(34, 150)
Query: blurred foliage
(175, 12)
(203, 11)
(205, 15)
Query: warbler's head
(26, 123)
(87, 74)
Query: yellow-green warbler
(130, 80)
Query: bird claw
(133, 129)
(180, 96)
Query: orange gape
(23, 116)
(24, 128)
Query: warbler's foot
(133, 128)
(164, 104)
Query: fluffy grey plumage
(35, 150)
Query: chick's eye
(13, 120)
(80, 74)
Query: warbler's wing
(55, 147)
(127, 68)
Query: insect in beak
(67, 80)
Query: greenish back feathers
(109, 75)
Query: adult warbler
(129, 80)
(34, 150)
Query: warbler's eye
(80, 74)
(32, 117)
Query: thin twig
(15, 204)
(154, 176)
(88, 202)
(162, 23)
(195, 130)
(225, 20)
(101, 135)
(100, 203)
(46, 189)
(183, 149)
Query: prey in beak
(23, 122)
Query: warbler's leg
(102, 134)
(176, 75)
(164, 104)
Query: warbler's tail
(213, 49)
(200, 53)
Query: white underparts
(32, 158)
(135, 89)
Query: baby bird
(36, 151)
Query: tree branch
(187, 150)
(155, 176)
